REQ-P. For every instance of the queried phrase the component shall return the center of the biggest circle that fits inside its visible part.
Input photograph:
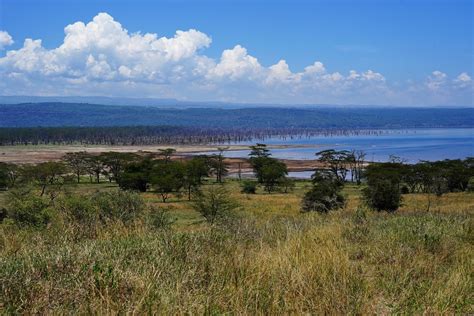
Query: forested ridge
(79, 114)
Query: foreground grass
(269, 259)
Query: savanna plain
(267, 257)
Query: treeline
(153, 135)
(384, 182)
(165, 175)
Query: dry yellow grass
(270, 260)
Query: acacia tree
(9, 174)
(194, 172)
(167, 178)
(259, 157)
(49, 176)
(166, 153)
(356, 160)
(219, 166)
(115, 162)
(136, 175)
(77, 162)
(272, 174)
(336, 160)
(94, 166)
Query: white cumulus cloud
(5, 40)
(101, 57)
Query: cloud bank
(103, 58)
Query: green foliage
(383, 195)
(215, 204)
(249, 187)
(325, 194)
(29, 210)
(470, 185)
(383, 186)
(337, 161)
(49, 176)
(118, 205)
(159, 219)
(136, 175)
(167, 178)
(80, 209)
(218, 166)
(195, 170)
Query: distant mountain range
(82, 114)
(166, 103)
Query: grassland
(270, 259)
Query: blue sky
(400, 52)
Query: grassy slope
(273, 260)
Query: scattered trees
(49, 176)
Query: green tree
(77, 163)
(49, 176)
(115, 162)
(195, 170)
(272, 174)
(167, 178)
(325, 195)
(338, 161)
(136, 175)
(94, 166)
(383, 186)
(219, 167)
(166, 153)
(215, 204)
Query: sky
(407, 53)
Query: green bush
(322, 198)
(125, 206)
(249, 187)
(159, 218)
(470, 185)
(383, 195)
(29, 211)
(80, 209)
(215, 204)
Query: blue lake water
(410, 145)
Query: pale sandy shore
(40, 153)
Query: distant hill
(79, 114)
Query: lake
(411, 145)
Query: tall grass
(269, 260)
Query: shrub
(215, 204)
(29, 210)
(470, 185)
(249, 187)
(118, 205)
(325, 194)
(322, 198)
(159, 218)
(80, 209)
(383, 195)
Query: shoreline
(31, 154)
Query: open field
(269, 259)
